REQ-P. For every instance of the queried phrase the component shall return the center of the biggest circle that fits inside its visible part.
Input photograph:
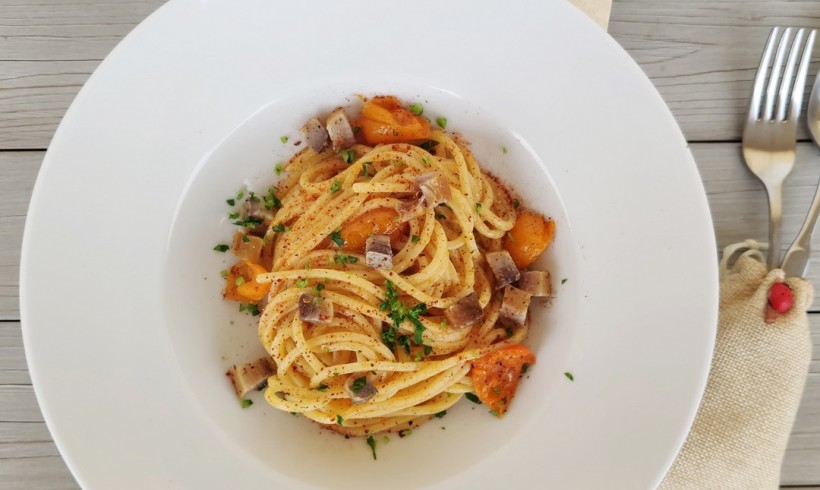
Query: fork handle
(775, 193)
(796, 261)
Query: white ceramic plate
(127, 338)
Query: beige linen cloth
(757, 376)
(758, 372)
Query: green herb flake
(222, 248)
(245, 239)
(442, 122)
(246, 403)
(230, 202)
(224, 273)
(569, 376)
(478, 207)
(320, 287)
(405, 432)
(339, 420)
(343, 259)
(417, 109)
(358, 384)
(301, 283)
(335, 186)
(494, 413)
(428, 349)
(239, 281)
(504, 149)
(415, 238)
(440, 414)
(564, 280)
(473, 398)
(372, 443)
(240, 194)
(516, 203)
(336, 237)
(349, 156)
(283, 139)
(425, 160)
(278, 168)
(440, 216)
(233, 215)
(321, 387)
(252, 197)
(525, 368)
(508, 331)
(249, 308)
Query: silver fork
(770, 134)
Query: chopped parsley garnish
(349, 156)
(222, 248)
(504, 149)
(246, 403)
(249, 308)
(428, 349)
(249, 222)
(444, 323)
(569, 376)
(335, 186)
(494, 413)
(472, 398)
(564, 280)
(320, 287)
(339, 420)
(322, 387)
(372, 443)
(358, 384)
(245, 239)
(478, 207)
(233, 215)
(279, 228)
(516, 203)
(425, 160)
(399, 312)
(364, 170)
(271, 201)
(336, 237)
(405, 432)
(343, 259)
(440, 216)
(278, 168)
(525, 368)
(252, 197)
(239, 281)
(442, 122)
(240, 194)
(301, 283)
(283, 139)
(223, 273)
(440, 414)
(508, 331)
(230, 202)
(415, 239)
(417, 109)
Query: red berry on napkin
(781, 297)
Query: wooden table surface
(700, 55)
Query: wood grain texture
(49, 48)
(702, 56)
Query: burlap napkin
(758, 373)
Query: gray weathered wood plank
(17, 173)
(702, 56)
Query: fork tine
(786, 85)
(800, 80)
(774, 79)
(762, 73)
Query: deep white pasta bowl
(128, 345)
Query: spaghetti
(368, 337)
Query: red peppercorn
(781, 297)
